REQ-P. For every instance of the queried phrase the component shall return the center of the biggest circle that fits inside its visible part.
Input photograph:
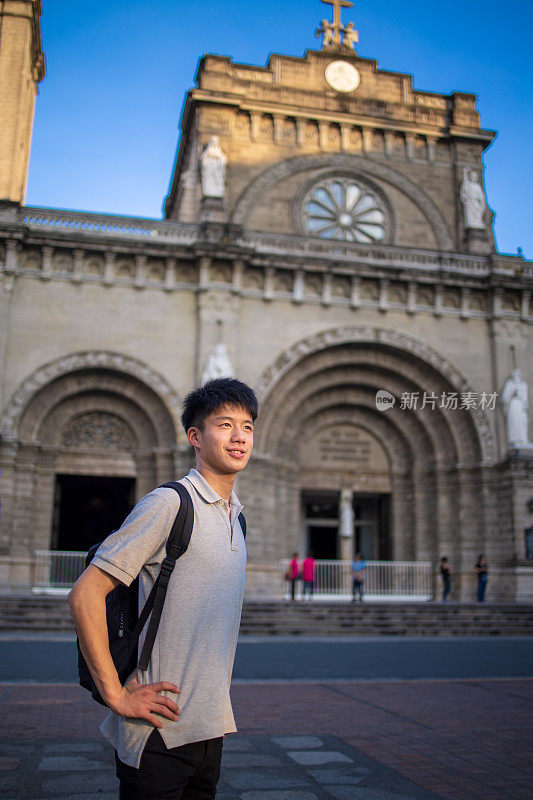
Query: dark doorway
(88, 508)
(371, 526)
(321, 514)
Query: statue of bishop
(473, 199)
(515, 404)
(213, 169)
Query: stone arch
(74, 364)
(355, 164)
(96, 416)
(436, 454)
(417, 354)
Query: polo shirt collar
(207, 492)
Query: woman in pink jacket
(308, 575)
(294, 574)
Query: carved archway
(415, 354)
(435, 453)
(93, 416)
(354, 164)
(75, 363)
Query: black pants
(189, 772)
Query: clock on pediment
(342, 76)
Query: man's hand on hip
(143, 701)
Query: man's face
(224, 444)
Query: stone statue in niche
(473, 199)
(218, 364)
(213, 169)
(346, 520)
(515, 404)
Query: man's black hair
(215, 394)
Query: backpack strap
(177, 544)
(242, 520)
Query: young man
(163, 750)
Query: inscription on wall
(343, 447)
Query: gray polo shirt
(197, 636)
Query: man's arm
(88, 608)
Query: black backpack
(124, 623)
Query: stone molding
(356, 165)
(348, 334)
(74, 362)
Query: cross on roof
(337, 5)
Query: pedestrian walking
(358, 574)
(482, 571)
(446, 575)
(163, 749)
(293, 573)
(308, 576)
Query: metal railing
(56, 571)
(384, 580)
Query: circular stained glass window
(343, 209)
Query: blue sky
(107, 114)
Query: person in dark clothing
(482, 571)
(446, 573)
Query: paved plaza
(331, 740)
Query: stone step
(283, 618)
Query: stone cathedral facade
(327, 239)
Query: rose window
(344, 209)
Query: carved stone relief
(97, 431)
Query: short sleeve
(140, 537)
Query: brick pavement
(456, 740)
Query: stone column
(524, 306)
(438, 300)
(368, 136)
(326, 289)
(140, 267)
(470, 529)
(278, 128)
(410, 147)
(238, 272)
(300, 131)
(465, 300)
(389, 143)
(323, 135)
(411, 297)
(170, 271)
(383, 303)
(268, 287)
(78, 265)
(255, 119)
(46, 268)
(402, 515)
(44, 499)
(298, 286)
(447, 516)
(345, 137)
(109, 267)
(146, 475)
(355, 296)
